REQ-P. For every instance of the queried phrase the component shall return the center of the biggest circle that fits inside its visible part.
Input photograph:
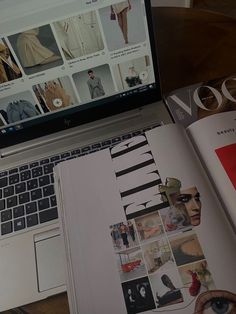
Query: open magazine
(149, 224)
(191, 103)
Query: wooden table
(193, 46)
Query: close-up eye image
(216, 302)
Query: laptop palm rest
(24, 259)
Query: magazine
(191, 103)
(149, 225)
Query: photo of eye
(216, 301)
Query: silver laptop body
(108, 88)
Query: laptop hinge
(63, 135)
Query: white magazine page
(134, 249)
(215, 139)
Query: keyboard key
(54, 158)
(52, 178)
(47, 215)
(6, 215)
(6, 228)
(34, 164)
(48, 190)
(53, 200)
(11, 201)
(32, 184)
(3, 182)
(13, 179)
(44, 161)
(15, 170)
(45, 180)
(37, 172)
(0, 193)
(126, 136)
(8, 191)
(48, 168)
(31, 208)
(2, 204)
(24, 198)
(3, 174)
(75, 152)
(36, 194)
(43, 204)
(24, 167)
(32, 220)
(65, 155)
(96, 145)
(106, 143)
(19, 224)
(20, 187)
(26, 175)
(18, 211)
(85, 149)
(116, 140)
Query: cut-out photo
(185, 205)
(149, 226)
(79, 35)
(94, 83)
(138, 295)
(186, 248)
(196, 278)
(55, 94)
(124, 235)
(130, 264)
(123, 24)
(9, 70)
(36, 49)
(19, 107)
(215, 301)
(158, 256)
(166, 288)
(133, 73)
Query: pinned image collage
(159, 258)
(50, 46)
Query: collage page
(141, 223)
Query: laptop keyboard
(27, 196)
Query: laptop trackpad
(49, 260)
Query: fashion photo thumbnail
(79, 35)
(133, 73)
(55, 94)
(19, 107)
(9, 70)
(123, 24)
(94, 83)
(36, 49)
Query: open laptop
(75, 76)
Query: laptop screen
(65, 63)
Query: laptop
(76, 76)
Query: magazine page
(141, 224)
(215, 139)
(191, 103)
